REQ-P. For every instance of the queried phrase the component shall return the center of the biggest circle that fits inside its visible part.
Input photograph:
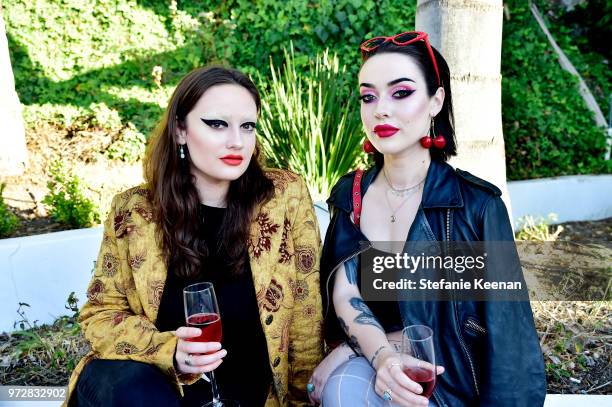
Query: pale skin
(393, 91)
(221, 123)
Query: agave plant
(308, 123)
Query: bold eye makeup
(400, 92)
(250, 126)
(367, 96)
(214, 123)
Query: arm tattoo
(366, 317)
(343, 325)
(355, 345)
(376, 354)
(352, 340)
(350, 268)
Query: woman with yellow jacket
(207, 212)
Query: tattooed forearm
(350, 268)
(366, 317)
(343, 325)
(376, 354)
(351, 342)
(355, 345)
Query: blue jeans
(352, 385)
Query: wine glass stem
(215, 390)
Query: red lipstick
(232, 159)
(385, 130)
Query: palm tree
(469, 35)
(13, 153)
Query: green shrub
(306, 123)
(9, 222)
(548, 129)
(66, 200)
(106, 64)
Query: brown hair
(174, 197)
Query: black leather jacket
(490, 349)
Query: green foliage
(8, 220)
(307, 125)
(548, 129)
(112, 65)
(584, 34)
(67, 201)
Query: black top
(245, 373)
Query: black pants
(118, 383)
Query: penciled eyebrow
(393, 82)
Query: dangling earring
(182, 151)
(439, 141)
(427, 141)
(368, 147)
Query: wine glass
(418, 357)
(202, 311)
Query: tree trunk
(13, 153)
(469, 35)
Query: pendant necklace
(407, 192)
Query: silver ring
(394, 364)
(387, 395)
(188, 361)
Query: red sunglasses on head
(401, 39)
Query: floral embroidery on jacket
(305, 259)
(136, 261)
(125, 348)
(122, 223)
(285, 256)
(110, 264)
(261, 241)
(309, 311)
(146, 213)
(119, 317)
(299, 289)
(156, 290)
(281, 179)
(272, 297)
(96, 288)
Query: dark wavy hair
(175, 200)
(444, 121)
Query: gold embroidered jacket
(124, 294)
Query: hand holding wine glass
(205, 356)
(203, 316)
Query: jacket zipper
(470, 323)
(465, 350)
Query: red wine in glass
(419, 357)
(202, 311)
(425, 377)
(209, 324)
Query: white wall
(571, 198)
(42, 270)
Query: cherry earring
(439, 142)
(426, 142)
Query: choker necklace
(404, 191)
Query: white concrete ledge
(42, 270)
(571, 198)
